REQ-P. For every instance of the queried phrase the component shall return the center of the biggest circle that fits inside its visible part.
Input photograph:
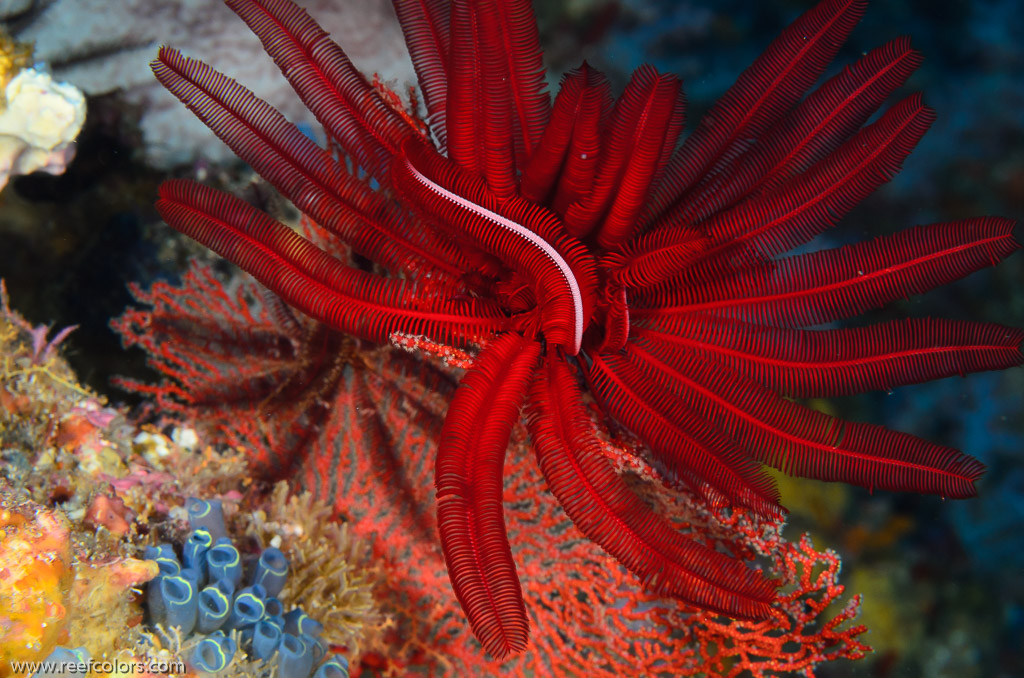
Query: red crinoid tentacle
(425, 25)
(641, 135)
(498, 102)
(520, 46)
(496, 118)
(527, 238)
(353, 301)
(469, 480)
(603, 507)
(655, 257)
(305, 173)
(813, 130)
(463, 108)
(615, 321)
(804, 442)
(820, 287)
(480, 106)
(690, 447)
(348, 107)
(822, 363)
(563, 165)
(816, 200)
(761, 96)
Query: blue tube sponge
(213, 653)
(196, 546)
(275, 619)
(297, 622)
(271, 570)
(180, 603)
(248, 608)
(192, 575)
(155, 600)
(291, 621)
(213, 609)
(265, 639)
(257, 591)
(163, 550)
(226, 587)
(164, 557)
(208, 515)
(224, 562)
(314, 645)
(169, 567)
(296, 659)
(335, 667)
(310, 626)
(274, 608)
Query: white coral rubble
(39, 121)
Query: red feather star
(586, 250)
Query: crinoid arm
(338, 94)
(804, 442)
(823, 363)
(761, 97)
(469, 476)
(603, 507)
(354, 301)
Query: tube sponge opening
(163, 550)
(213, 653)
(248, 607)
(297, 622)
(266, 637)
(180, 603)
(164, 557)
(226, 587)
(208, 515)
(274, 608)
(296, 659)
(224, 562)
(271, 570)
(213, 609)
(194, 551)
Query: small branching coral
(799, 639)
(330, 575)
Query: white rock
(38, 124)
(9, 8)
(185, 437)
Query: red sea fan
(236, 362)
(586, 252)
(365, 443)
